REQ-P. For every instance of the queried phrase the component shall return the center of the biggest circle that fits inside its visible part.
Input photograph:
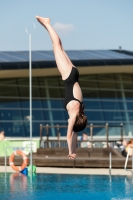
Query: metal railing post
(127, 158)
(107, 135)
(58, 134)
(40, 133)
(47, 134)
(125, 167)
(110, 161)
(91, 134)
(121, 126)
(5, 161)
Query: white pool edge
(87, 171)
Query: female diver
(73, 95)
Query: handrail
(125, 167)
(91, 126)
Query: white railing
(128, 154)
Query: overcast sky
(81, 24)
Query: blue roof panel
(23, 56)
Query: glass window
(88, 84)
(36, 115)
(115, 131)
(128, 128)
(108, 98)
(53, 81)
(130, 114)
(23, 82)
(43, 92)
(9, 103)
(45, 103)
(36, 103)
(105, 77)
(54, 93)
(123, 115)
(126, 77)
(23, 91)
(122, 105)
(119, 95)
(129, 105)
(90, 93)
(99, 131)
(91, 77)
(7, 127)
(94, 116)
(58, 115)
(36, 92)
(128, 86)
(25, 103)
(113, 116)
(9, 81)
(56, 103)
(111, 105)
(18, 129)
(8, 91)
(108, 94)
(108, 85)
(118, 85)
(92, 104)
(128, 95)
(36, 129)
(35, 82)
(7, 115)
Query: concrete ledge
(87, 171)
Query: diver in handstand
(73, 95)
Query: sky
(81, 24)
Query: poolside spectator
(2, 137)
(124, 147)
(86, 144)
(84, 136)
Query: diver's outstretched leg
(63, 62)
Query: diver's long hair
(81, 120)
(130, 141)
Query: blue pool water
(65, 187)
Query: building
(106, 79)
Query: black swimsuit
(124, 153)
(69, 83)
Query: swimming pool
(65, 187)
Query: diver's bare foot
(43, 21)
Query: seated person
(124, 147)
(85, 144)
(84, 136)
(2, 137)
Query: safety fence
(106, 140)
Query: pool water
(65, 187)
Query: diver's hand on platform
(72, 156)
